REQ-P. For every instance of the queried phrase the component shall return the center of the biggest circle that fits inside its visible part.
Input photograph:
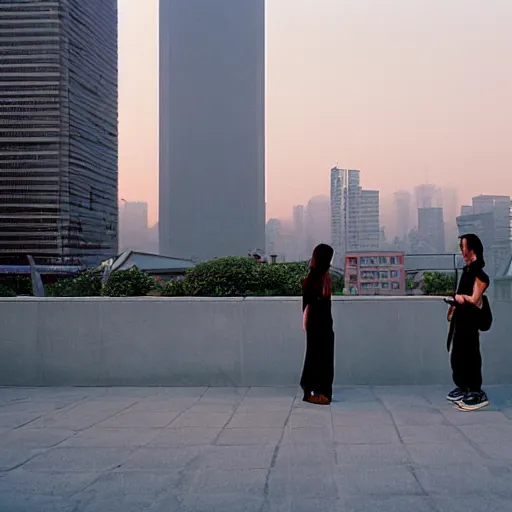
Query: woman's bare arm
(478, 291)
(305, 318)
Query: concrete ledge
(255, 341)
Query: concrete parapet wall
(230, 342)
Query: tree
(438, 283)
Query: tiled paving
(252, 450)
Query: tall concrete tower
(212, 127)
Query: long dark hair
(474, 244)
(319, 265)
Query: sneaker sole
(464, 407)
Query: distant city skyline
(345, 84)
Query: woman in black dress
(318, 372)
(466, 360)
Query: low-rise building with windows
(375, 273)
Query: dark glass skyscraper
(58, 131)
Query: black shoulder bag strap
(452, 323)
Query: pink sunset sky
(407, 91)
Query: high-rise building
(500, 207)
(480, 224)
(450, 209)
(153, 247)
(489, 219)
(402, 207)
(299, 232)
(431, 228)
(133, 227)
(58, 131)
(428, 196)
(272, 237)
(369, 222)
(318, 222)
(212, 127)
(345, 202)
(355, 222)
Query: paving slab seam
(27, 422)
(166, 426)
(409, 466)
(17, 466)
(124, 409)
(235, 409)
(182, 471)
(464, 435)
(56, 411)
(333, 438)
(188, 408)
(266, 505)
(101, 474)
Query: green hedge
(129, 283)
(85, 285)
(6, 291)
(13, 285)
(242, 277)
(223, 277)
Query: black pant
(466, 359)
(318, 371)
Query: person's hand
(460, 299)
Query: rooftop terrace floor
(252, 450)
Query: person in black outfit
(466, 361)
(318, 372)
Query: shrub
(437, 283)
(240, 277)
(21, 285)
(85, 285)
(174, 289)
(128, 283)
(338, 283)
(272, 280)
(282, 279)
(223, 277)
(410, 284)
(5, 291)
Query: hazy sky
(405, 90)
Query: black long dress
(318, 371)
(466, 360)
